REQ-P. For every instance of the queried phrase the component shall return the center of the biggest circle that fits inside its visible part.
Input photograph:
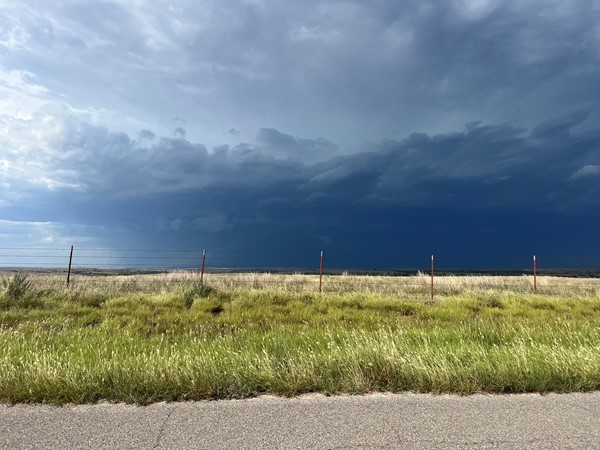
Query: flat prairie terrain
(148, 338)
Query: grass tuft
(16, 287)
(194, 290)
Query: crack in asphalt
(163, 427)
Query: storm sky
(379, 131)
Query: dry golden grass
(418, 285)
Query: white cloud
(19, 104)
(28, 233)
(19, 223)
(589, 170)
(13, 36)
(23, 233)
(22, 80)
(475, 9)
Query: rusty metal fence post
(432, 288)
(202, 270)
(534, 275)
(321, 273)
(69, 272)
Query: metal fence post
(69, 272)
(321, 273)
(432, 289)
(202, 270)
(534, 275)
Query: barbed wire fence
(155, 269)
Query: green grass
(190, 341)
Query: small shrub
(17, 286)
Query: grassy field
(149, 338)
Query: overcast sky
(380, 131)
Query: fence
(146, 269)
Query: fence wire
(158, 269)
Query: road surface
(378, 421)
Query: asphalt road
(347, 422)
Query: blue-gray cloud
(285, 146)
(350, 71)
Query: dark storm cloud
(552, 167)
(489, 185)
(482, 166)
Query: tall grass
(193, 341)
(416, 286)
